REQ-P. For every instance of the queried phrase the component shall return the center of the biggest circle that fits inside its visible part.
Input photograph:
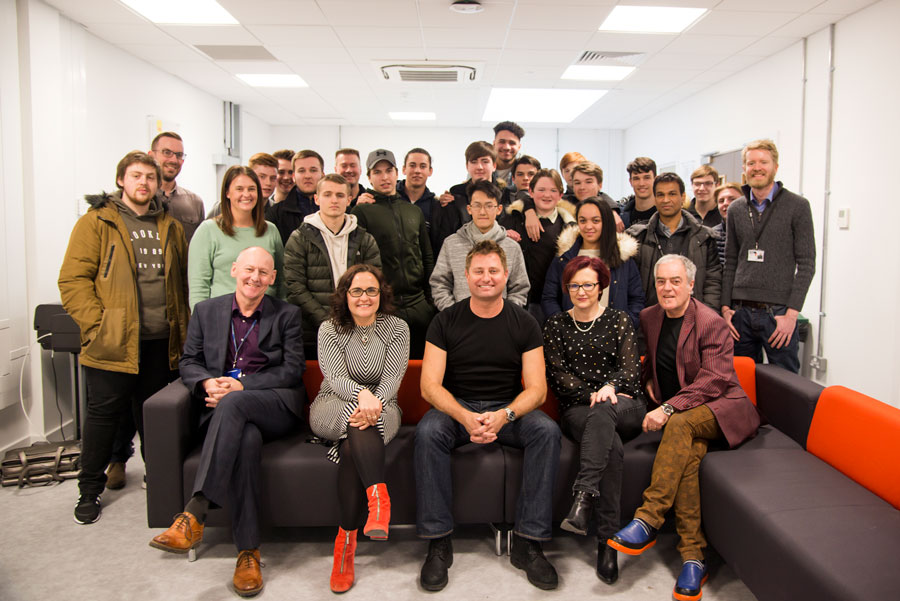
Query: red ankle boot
(344, 551)
(379, 512)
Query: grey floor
(47, 556)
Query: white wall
(766, 100)
(447, 147)
(66, 93)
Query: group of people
(514, 279)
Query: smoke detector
(466, 7)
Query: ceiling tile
(768, 46)
(321, 36)
(297, 54)
(380, 15)
(170, 52)
(438, 14)
(671, 60)
(141, 33)
(628, 42)
(220, 34)
(775, 6)
(541, 58)
(275, 12)
(549, 40)
(806, 25)
(236, 67)
(560, 16)
(844, 7)
(442, 37)
(97, 12)
(396, 37)
(741, 22)
(718, 44)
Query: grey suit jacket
(280, 340)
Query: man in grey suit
(244, 359)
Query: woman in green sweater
(218, 241)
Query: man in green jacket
(123, 281)
(318, 253)
(399, 229)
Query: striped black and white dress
(373, 357)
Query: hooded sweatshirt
(337, 244)
(151, 272)
(448, 280)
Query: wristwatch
(510, 414)
(668, 409)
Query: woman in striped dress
(363, 354)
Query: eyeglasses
(588, 286)
(357, 292)
(483, 207)
(169, 154)
(703, 184)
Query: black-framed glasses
(588, 287)
(357, 292)
(169, 154)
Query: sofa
(807, 509)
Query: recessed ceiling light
(412, 116)
(466, 7)
(651, 19)
(597, 72)
(182, 12)
(538, 105)
(273, 80)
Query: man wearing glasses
(448, 280)
(185, 206)
(704, 180)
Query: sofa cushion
(860, 436)
(298, 483)
(786, 400)
(793, 527)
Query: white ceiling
(335, 44)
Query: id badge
(756, 255)
(234, 373)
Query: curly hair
(340, 310)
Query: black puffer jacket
(308, 276)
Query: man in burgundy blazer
(689, 373)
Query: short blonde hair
(764, 144)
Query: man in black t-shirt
(477, 354)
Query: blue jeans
(755, 326)
(437, 434)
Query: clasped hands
(216, 388)
(367, 412)
(483, 427)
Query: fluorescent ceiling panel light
(273, 80)
(597, 72)
(182, 12)
(538, 105)
(412, 116)
(651, 19)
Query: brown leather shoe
(115, 475)
(247, 574)
(184, 534)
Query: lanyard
(237, 347)
(762, 224)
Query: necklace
(587, 329)
(364, 333)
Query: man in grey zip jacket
(448, 280)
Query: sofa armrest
(787, 400)
(167, 441)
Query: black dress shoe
(439, 559)
(607, 563)
(529, 556)
(579, 514)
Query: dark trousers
(437, 434)
(123, 445)
(755, 325)
(109, 394)
(601, 430)
(229, 461)
(417, 315)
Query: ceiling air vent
(606, 57)
(429, 73)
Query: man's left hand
(492, 421)
(655, 420)
(784, 329)
(365, 198)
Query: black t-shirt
(484, 356)
(641, 216)
(666, 370)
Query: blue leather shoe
(633, 539)
(689, 586)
